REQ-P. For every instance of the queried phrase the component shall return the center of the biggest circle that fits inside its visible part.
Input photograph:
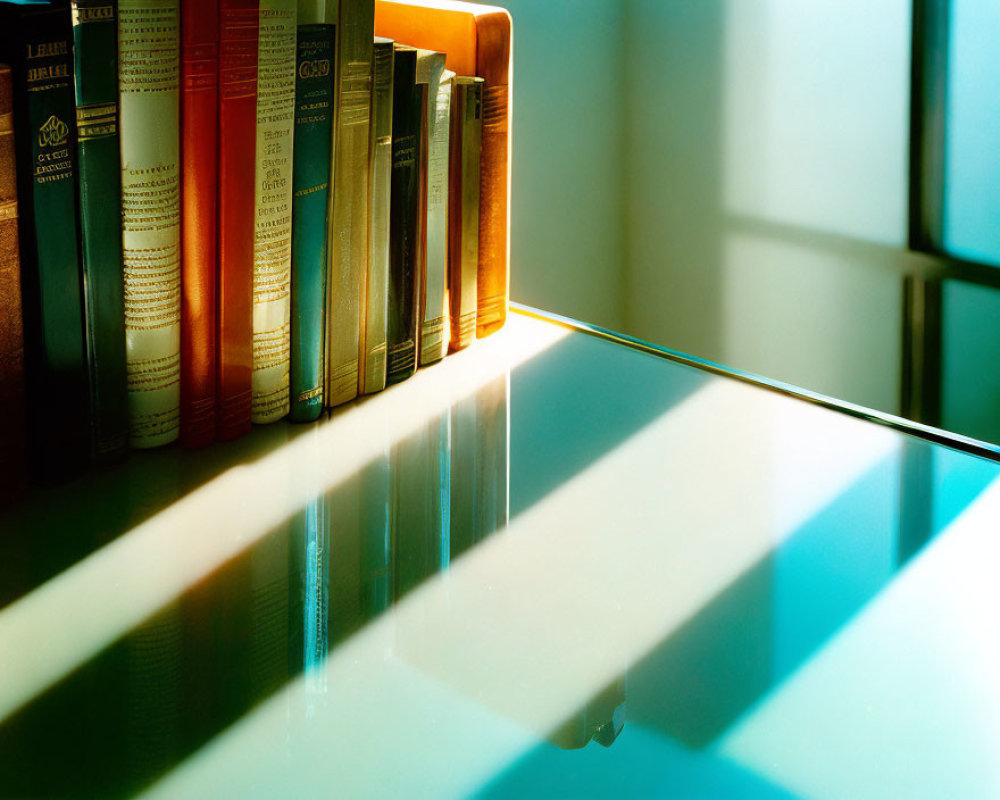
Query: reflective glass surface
(549, 566)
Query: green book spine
(95, 38)
(36, 40)
(311, 189)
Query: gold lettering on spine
(273, 228)
(150, 147)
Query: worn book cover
(199, 215)
(311, 190)
(13, 455)
(463, 208)
(349, 221)
(36, 41)
(374, 330)
(95, 36)
(478, 40)
(149, 84)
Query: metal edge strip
(954, 441)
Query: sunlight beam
(480, 663)
(72, 617)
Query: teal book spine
(36, 41)
(313, 147)
(95, 40)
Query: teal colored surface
(310, 183)
(507, 495)
(972, 158)
(970, 394)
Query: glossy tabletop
(552, 565)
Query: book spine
(494, 33)
(434, 325)
(39, 40)
(238, 33)
(95, 32)
(374, 331)
(13, 455)
(272, 269)
(349, 232)
(148, 46)
(313, 150)
(404, 210)
(463, 209)
(199, 213)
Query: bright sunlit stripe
(905, 701)
(446, 689)
(69, 619)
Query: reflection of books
(376, 533)
(601, 720)
(479, 466)
(421, 508)
(477, 40)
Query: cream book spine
(148, 50)
(272, 258)
(434, 328)
(349, 219)
(375, 330)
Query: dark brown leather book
(13, 453)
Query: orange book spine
(199, 193)
(238, 33)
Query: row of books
(219, 212)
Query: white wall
(767, 200)
(567, 251)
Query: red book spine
(238, 32)
(199, 210)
